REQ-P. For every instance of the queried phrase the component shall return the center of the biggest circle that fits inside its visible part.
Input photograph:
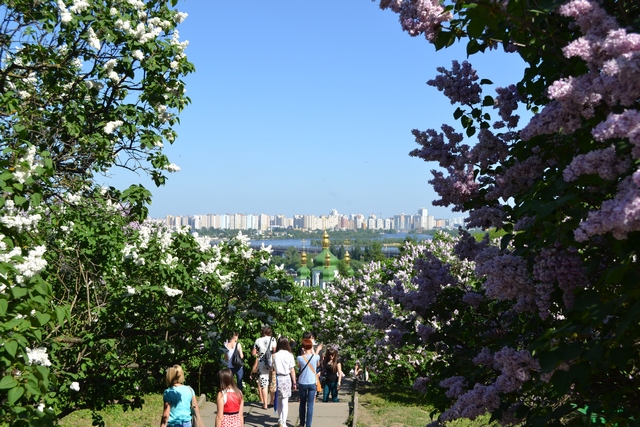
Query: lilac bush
(543, 329)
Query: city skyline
(334, 220)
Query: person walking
(230, 346)
(263, 348)
(284, 365)
(332, 373)
(178, 400)
(308, 364)
(230, 402)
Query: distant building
(325, 265)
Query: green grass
(115, 416)
(400, 407)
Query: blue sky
(302, 107)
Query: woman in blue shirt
(308, 364)
(178, 400)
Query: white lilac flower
(173, 168)
(65, 15)
(197, 309)
(110, 127)
(93, 41)
(38, 356)
(79, 6)
(171, 292)
(138, 54)
(113, 76)
(75, 386)
(180, 17)
(131, 290)
(72, 198)
(40, 407)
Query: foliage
(547, 324)
(95, 301)
(83, 87)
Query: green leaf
(471, 130)
(458, 113)
(14, 394)
(487, 101)
(11, 347)
(472, 47)
(7, 382)
(18, 291)
(61, 313)
(3, 306)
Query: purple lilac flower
(486, 217)
(459, 84)
(516, 179)
(473, 299)
(507, 102)
(434, 148)
(418, 16)
(620, 215)
(489, 150)
(515, 367)
(467, 247)
(625, 125)
(603, 162)
(456, 189)
(456, 385)
(420, 384)
(484, 358)
(507, 278)
(474, 403)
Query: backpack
(267, 357)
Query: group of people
(277, 377)
(275, 368)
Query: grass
(115, 416)
(401, 407)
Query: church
(325, 267)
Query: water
(306, 243)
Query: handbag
(236, 360)
(196, 421)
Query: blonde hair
(175, 375)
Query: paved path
(330, 414)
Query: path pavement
(330, 414)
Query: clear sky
(301, 107)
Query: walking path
(330, 414)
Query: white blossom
(180, 17)
(138, 54)
(93, 41)
(197, 309)
(131, 290)
(110, 127)
(173, 168)
(65, 15)
(171, 292)
(75, 386)
(38, 356)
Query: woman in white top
(284, 365)
(230, 347)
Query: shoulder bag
(196, 421)
(318, 385)
(236, 360)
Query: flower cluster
(418, 16)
